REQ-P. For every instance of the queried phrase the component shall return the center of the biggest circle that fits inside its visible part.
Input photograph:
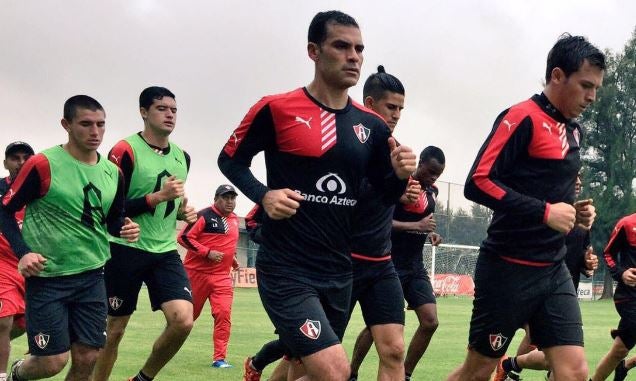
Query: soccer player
(620, 258)
(74, 200)
(413, 223)
(12, 322)
(155, 170)
(376, 285)
(580, 259)
(211, 256)
(525, 172)
(319, 146)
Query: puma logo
(547, 127)
(508, 124)
(301, 120)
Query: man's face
(428, 172)
(225, 203)
(161, 116)
(339, 58)
(389, 107)
(86, 130)
(578, 90)
(14, 162)
(577, 187)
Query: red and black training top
(321, 153)
(6, 252)
(620, 255)
(211, 231)
(407, 245)
(529, 161)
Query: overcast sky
(462, 62)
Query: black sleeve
(116, 214)
(497, 158)
(25, 189)
(380, 170)
(187, 159)
(617, 242)
(134, 206)
(255, 134)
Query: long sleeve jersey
(407, 245)
(6, 252)
(620, 255)
(529, 161)
(211, 231)
(322, 154)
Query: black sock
(269, 353)
(510, 364)
(142, 377)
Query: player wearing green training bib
(74, 200)
(154, 170)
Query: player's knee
(5, 325)
(391, 352)
(181, 322)
(429, 324)
(115, 334)
(52, 365)
(619, 352)
(340, 370)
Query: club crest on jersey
(362, 132)
(311, 329)
(41, 340)
(497, 341)
(115, 302)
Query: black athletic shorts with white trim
(627, 325)
(509, 295)
(309, 313)
(129, 267)
(377, 288)
(64, 310)
(417, 287)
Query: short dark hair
(432, 152)
(79, 101)
(569, 52)
(378, 83)
(318, 26)
(151, 93)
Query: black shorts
(377, 287)
(128, 267)
(417, 287)
(309, 314)
(509, 295)
(627, 325)
(64, 310)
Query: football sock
(142, 377)
(510, 364)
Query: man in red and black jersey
(413, 223)
(620, 258)
(579, 259)
(525, 172)
(319, 146)
(12, 323)
(211, 242)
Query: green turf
(252, 328)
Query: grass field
(251, 328)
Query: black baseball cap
(223, 189)
(18, 146)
